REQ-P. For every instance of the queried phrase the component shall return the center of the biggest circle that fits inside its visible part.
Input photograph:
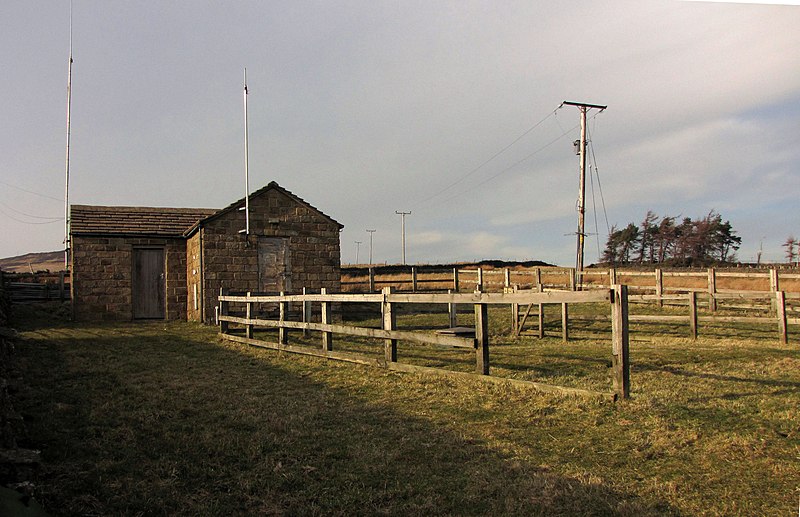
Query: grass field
(164, 418)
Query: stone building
(170, 263)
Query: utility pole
(358, 247)
(583, 108)
(403, 231)
(370, 232)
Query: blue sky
(365, 108)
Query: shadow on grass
(154, 418)
(717, 377)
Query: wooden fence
(36, 288)
(776, 303)
(389, 300)
(658, 282)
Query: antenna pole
(66, 180)
(246, 165)
(583, 108)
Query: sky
(445, 109)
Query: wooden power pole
(584, 108)
(403, 231)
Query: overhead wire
(596, 172)
(31, 191)
(28, 222)
(515, 164)
(485, 162)
(20, 212)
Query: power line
(485, 162)
(30, 191)
(526, 158)
(28, 222)
(30, 215)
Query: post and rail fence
(658, 281)
(239, 309)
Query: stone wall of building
(194, 279)
(102, 271)
(230, 260)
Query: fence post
(612, 277)
(389, 323)
(693, 314)
(306, 312)
(248, 332)
(712, 289)
(371, 279)
(223, 311)
(774, 286)
(327, 336)
(659, 286)
(481, 337)
(541, 320)
(506, 277)
(414, 279)
(564, 322)
(774, 282)
(619, 328)
(539, 280)
(780, 304)
(283, 332)
(452, 310)
(455, 279)
(479, 282)
(572, 274)
(514, 312)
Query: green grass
(163, 418)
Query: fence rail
(22, 292)
(540, 278)
(780, 318)
(616, 298)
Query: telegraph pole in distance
(403, 231)
(370, 232)
(583, 107)
(358, 247)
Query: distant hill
(52, 261)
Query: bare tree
(790, 245)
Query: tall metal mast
(583, 107)
(66, 181)
(246, 164)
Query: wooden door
(148, 283)
(274, 267)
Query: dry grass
(155, 418)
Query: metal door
(148, 283)
(274, 267)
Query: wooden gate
(274, 266)
(148, 284)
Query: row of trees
(666, 240)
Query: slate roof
(158, 221)
(134, 220)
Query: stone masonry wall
(102, 270)
(231, 261)
(194, 278)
